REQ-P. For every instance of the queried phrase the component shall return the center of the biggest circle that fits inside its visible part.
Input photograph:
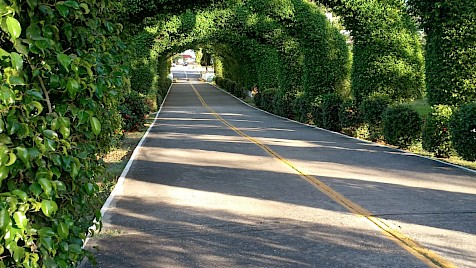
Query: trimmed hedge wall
(450, 54)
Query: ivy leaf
(72, 4)
(95, 125)
(22, 153)
(21, 194)
(62, 9)
(20, 219)
(17, 61)
(63, 230)
(36, 94)
(4, 219)
(49, 207)
(32, 3)
(75, 248)
(37, 105)
(65, 131)
(46, 231)
(64, 60)
(45, 185)
(16, 81)
(3, 173)
(85, 7)
(12, 159)
(18, 254)
(33, 32)
(13, 27)
(19, 47)
(72, 87)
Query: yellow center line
(428, 257)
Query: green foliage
(372, 109)
(331, 105)
(401, 126)
(283, 104)
(436, 135)
(301, 106)
(133, 110)
(350, 117)
(264, 99)
(387, 55)
(316, 111)
(450, 54)
(463, 131)
(230, 86)
(61, 76)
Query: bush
(219, 81)
(331, 104)
(463, 131)
(436, 136)
(266, 99)
(350, 117)
(133, 111)
(401, 126)
(372, 109)
(301, 107)
(450, 53)
(283, 104)
(239, 91)
(230, 86)
(316, 111)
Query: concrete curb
(119, 185)
(349, 137)
(118, 188)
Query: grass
(421, 106)
(424, 109)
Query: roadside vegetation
(75, 74)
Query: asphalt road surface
(219, 184)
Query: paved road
(201, 194)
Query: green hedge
(401, 126)
(61, 79)
(331, 105)
(463, 131)
(133, 110)
(450, 54)
(436, 134)
(387, 55)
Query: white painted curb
(119, 185)
(349, 137)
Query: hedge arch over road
(65, 66)
(304, 52)
(450, 49)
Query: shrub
(372, 109)
(283, 104)
(239, 91)
(436, 136)
(301, 107)
(133, 111)
(463, 131)
(331, 104)
(316, 111)
(266, 99)
(230, 86)
(151, 101)
(219, 81)
(450, 53)
(401, 126)
(350, 117)
(60, 86)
